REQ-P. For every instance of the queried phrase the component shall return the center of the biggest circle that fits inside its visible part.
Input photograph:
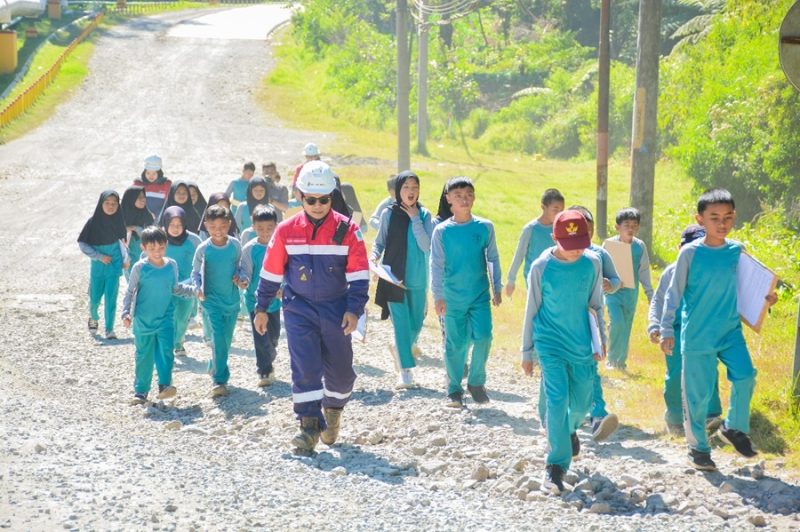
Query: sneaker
(93, 325)
(740, 441)
(266, 379)
(219, 390)
(307, 438)
(611, 365)
(333, 418)
(455, 400)
(111, 335)
(166, 392)
(180, 351)
(576, 444)
(139, 399)
(603, 427)
(478, 394)
(713, 423)
(701, 461)
(553, 481)
(405, 380)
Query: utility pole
(422, 88)
(604, 69)
(403, 88)
(645, 104)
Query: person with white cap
(311, 153)
(319, 259)
(156, 186)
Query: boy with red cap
(565, 285)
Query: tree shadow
(494, 417)
(766, 436)
(164, 411)
(612, 449)
(193, 365)
(357, 462)
(769, 494)
(507, 397)
(242, 402)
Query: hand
(441, 307)
(510, 290)
(349, 323)
(667, 345)
(105, 259)
(260, 321)
(279, 294)
(412, 211)
(655, 337)
(606, 285)
(125, 265)
(600, 356)
(772, 298)
(201, 296)
(527, 367)
(126, 322)
(241, 284)
(497, 299)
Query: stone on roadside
(726, 487)
(339, 471)
(480, 473)
(757, 520)
(439, 441)
(175, 424)
(600, 508)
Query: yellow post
(8, 51)
(54, 9)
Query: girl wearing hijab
(137, 217)
(404, 241)
(217, 198)
(180, 195)
(102, 239)
(181, 245)
(198, 200)
(156, 186)
(257, 194)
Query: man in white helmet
(319, 258)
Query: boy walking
(704, 291)
(463, 248)
(564, 285)
(149, 305)
(237, 189)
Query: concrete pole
(604, 69)
(422, 88)
(796, 369)
(403, 88)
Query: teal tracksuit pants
(183, 312)
(568, 388)
(699, 383)
(598, 402)
(153, 347)
(104, 284)
(222, 325)
(407, 318)
(465, 327)
(621, 307)
(673, 391)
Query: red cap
(571, 230)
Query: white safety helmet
(316, 177)
(311, 150)
(152, 163)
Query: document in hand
(597, 343)
(360, 333)
(622, 257)
(754, 282)
(384, 272)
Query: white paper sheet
(384, 271)
(360, 333)
(622, 257)
(754, 282)
(597, 343)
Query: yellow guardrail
(28, 97)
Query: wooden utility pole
(422, 87)
(796, 369)
(645, 105)
(604, 77)
(403, 88)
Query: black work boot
(307, 438)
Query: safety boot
(307, 438)
(333, 417)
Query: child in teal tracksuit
(536, 236)
(704, 291)
(181, 247)
(217, 275)
(622, 303)
(149, 305)
(237, 189)
(404, 242)
(137, 217)
(257, 194)
(265, 220)
(102, 239)
(564, 286)
(463, 251)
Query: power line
(447, 11)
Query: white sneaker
(266, 380)
(167, 392)
(219, 390)
(405, 380)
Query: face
(151, 175)
(181, 195)
(718, 220)
(628, 229)
(175, 227)
(264, 230)
(247, 175)
(569, 255)
(155, 251)
(318, 210)
(194, 194)
(549, 212)
(218, 229)
(141, 201)
(110, 205)
(461, 200)
(269, 171)
(409, 192)
(259, 193)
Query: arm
(519, 254)
(644, 273)
(379, 245)
(493, 258)
(672, 300)
(532, 307)
(422, 227)
(179, 289)
(657, 303)
(130, 294)
(437, 264)
(247, 261)
(241, 274)
(356, 272)
(90, 251)
(596, 299)
(375, 219)
(272, 271)
(124, 250)
(197, 268)
(610, 272)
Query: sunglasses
(324, 200)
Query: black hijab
(213, 199)
(252, 202)
(133, 215)
(396, 250)
(444, 211)
(190, 216)
(200, 206)
(167, 216)
(102, 229)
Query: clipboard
(622, 257)
(754, 282)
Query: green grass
(508, 186)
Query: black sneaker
(576, 444)
(553, 481)
(139, 399)
(740, 441)
(701, 461)
(455, 400)
(478, 394)
(92, 325)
